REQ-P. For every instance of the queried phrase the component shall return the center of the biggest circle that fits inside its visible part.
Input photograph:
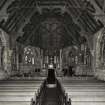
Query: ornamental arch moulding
(99, 54)
(99, 47)
(5, 51)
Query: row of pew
(80, 91)
(85, 92)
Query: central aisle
(51, 94)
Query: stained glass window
(28, 55)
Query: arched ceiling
(50, 24)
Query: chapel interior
(52, 52)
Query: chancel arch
(99, 54)
(4, 44)
(5, 56)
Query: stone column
(92, 60)
(17, 61)
(60, 63)
(17, 57)
(61, 59)
(7, 59)
(41, 59)
(0, 57)
(14, 66)
(85, 57)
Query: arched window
(28, 55)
